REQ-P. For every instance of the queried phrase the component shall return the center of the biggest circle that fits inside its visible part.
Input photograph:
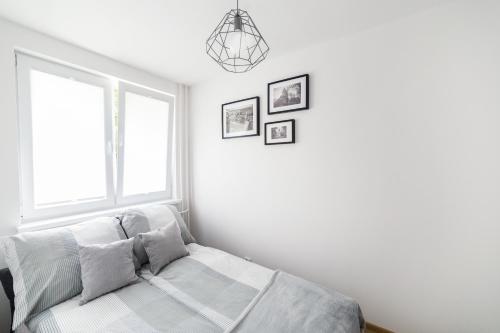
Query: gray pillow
(163, 246)
(136, 221)
(100, 230)
(140, 255)
(45, 267)
(106, 267)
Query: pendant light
(236, 44)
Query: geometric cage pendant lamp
(236, 44)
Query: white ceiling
(167, 37)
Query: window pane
(68, 140)
(145, 145)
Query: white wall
(392, 192)
(12, 36)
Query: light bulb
(236, 41)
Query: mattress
(208, 291)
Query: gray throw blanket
(290, 304)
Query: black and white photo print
(280, 132)
(288, 95)
(241, 118)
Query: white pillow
(100, 230)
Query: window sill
(73, 219)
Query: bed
(207, 291)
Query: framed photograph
(241, 118)
(280, 132)
(288, 95)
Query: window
(144, 144)
(70, 163)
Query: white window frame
(26, 63)
(122, 200)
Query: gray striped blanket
(208, 291)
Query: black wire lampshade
(236, 44)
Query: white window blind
(66, 141)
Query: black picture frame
(292, 121)
(292, 109)
(257, 120)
